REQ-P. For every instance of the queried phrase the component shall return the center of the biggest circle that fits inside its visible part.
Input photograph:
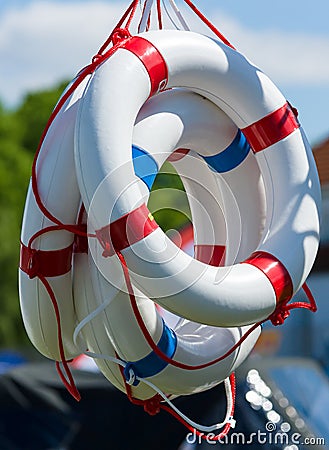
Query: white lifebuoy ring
(226, 296)
(50, 255)
(108, 324)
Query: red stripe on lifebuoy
(47, 263)
(210, 254)
(271, 129)
(178, 154)
(152, 59)
(275, 272)
(126, 231)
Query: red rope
(283, 309)
(154, 346)
(69, 384)
(133, 11)
(208, 23)
(109, 40)
(159, 14)
(82, 75)
(281, 313)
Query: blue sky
(45, 41)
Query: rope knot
(120, 34)
(96, 58)
(107, 250)
(279, 315)
(104, 238)
(283, 310)
(152, 405)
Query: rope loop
(119, 35)
(283, 310)
(152, 406)
(280, 315)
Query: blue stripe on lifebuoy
(145, 166)
(152, 364)
(232, 156)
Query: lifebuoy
(49, 256)
(108, 324)
(227, 296)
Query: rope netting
(120, 33)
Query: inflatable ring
(226, 296)
(108, 324)
(49, 257)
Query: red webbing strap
(271, 129)
(275, 271)
(47, 263)
(178, 154)
(282, 284)
(126, 231)
(152, 60)
(214, 255)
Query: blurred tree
(168, 202)
(33, 115)
(20, 131)
(15, 166)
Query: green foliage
(20, 132)
(168, 202)
(14, 173)
(33, 115)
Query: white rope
(133, 377)
(179, 15)
(83, 323)
(168, 14)
(145, 16)
(205, 429)
(88, 319)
